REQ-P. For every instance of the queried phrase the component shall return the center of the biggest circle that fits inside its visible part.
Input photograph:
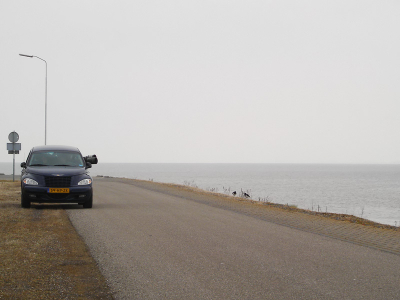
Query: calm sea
(368, 191)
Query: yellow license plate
(59, 190)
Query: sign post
(13, 148)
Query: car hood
(56, 171)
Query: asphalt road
(153, 242)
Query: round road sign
(13, 137)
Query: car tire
(25, 203)
(88, 203)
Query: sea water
(367, 191)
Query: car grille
(58, 181)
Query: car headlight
(86, 181)
(30, 181)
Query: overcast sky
(204, 81)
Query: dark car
(57, 174)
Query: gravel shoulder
(41, 254)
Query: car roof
(55, 148)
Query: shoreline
(365, 191)
(341, 227)
(284, 207)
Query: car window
(56, 158)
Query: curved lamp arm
(45, 102)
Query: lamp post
(45, 98)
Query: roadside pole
(13, 163)
(13, 148)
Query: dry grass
(41, 254)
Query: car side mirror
(91, 159)
(88, 165)
(23, 165)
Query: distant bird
(234, 193)
(246, 195)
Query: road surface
(158, 242)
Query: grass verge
(41, 254)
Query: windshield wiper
(38, 165)
(63, 166)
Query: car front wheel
(88, 203)
(25, 203)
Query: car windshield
(56, 158)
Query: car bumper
(40, 194)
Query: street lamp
(45, 98)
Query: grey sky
(205, 81)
